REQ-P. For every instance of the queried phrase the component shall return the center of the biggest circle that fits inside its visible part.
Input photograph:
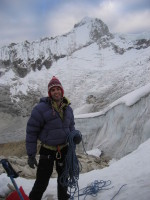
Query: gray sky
(31, 20)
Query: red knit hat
(54, 82)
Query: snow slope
(132, 172)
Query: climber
(50, 122)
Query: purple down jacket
(46, 125)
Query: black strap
(45, 156)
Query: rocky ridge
(20, 60)
(24, 57)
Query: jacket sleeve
(72, 123)
(34, 126)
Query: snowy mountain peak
(25, 56)
(88, 56)
(95, 27)
(87, 20)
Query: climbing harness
(55, 148)
(58, 153)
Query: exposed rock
(13, 149)
(6, 105)
(20, 104)
(88, 163)
(142, 44)
(91, 99)
(20, 68)
(117, 49)
(15, 152)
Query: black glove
(78, 137)
(32, 161)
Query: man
(50, 122)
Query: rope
(84, 147)
(118, 191)
(94, 188)
(70, 175)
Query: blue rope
(94, 188)
(70, 175)
(118, 191)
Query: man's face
(56, 93)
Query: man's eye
(56, 89)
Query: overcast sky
(30, 20)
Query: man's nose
(56, 91)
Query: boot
(65, 197)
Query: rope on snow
(96, 187)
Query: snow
(129, 99)
(132, 172)
(95, 152)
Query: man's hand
(32, 162)
(78, 137)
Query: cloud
(19, 30)
(32, 19)
(107, 11)
(134, 22)
(119, 16)
(19, 21)
(63, 18)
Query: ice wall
(119, 131)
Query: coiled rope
(94, 188)
(70, 175)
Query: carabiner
(58, 154)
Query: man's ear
(49, 94)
